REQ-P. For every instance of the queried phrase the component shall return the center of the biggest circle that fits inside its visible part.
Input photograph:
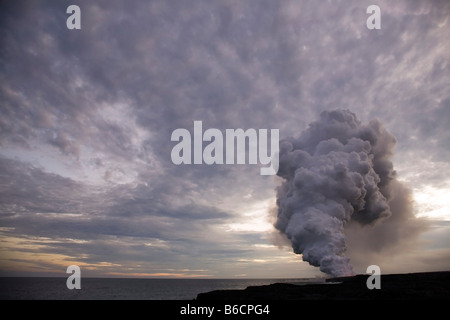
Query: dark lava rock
(411, 286)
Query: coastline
(407, 286)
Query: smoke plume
(338, 170)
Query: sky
(86, 118)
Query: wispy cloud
(86, 117)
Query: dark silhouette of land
(410, 286)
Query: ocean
(39, 288)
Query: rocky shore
(410, 286)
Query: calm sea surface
(125, 289)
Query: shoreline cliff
(408, 286)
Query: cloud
(394, 236)
(86, 115)
(338, 178)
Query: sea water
(35, 288)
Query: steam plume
(337, 170)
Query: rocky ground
(416, 286)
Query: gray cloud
(86, 116)
(337, 171)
